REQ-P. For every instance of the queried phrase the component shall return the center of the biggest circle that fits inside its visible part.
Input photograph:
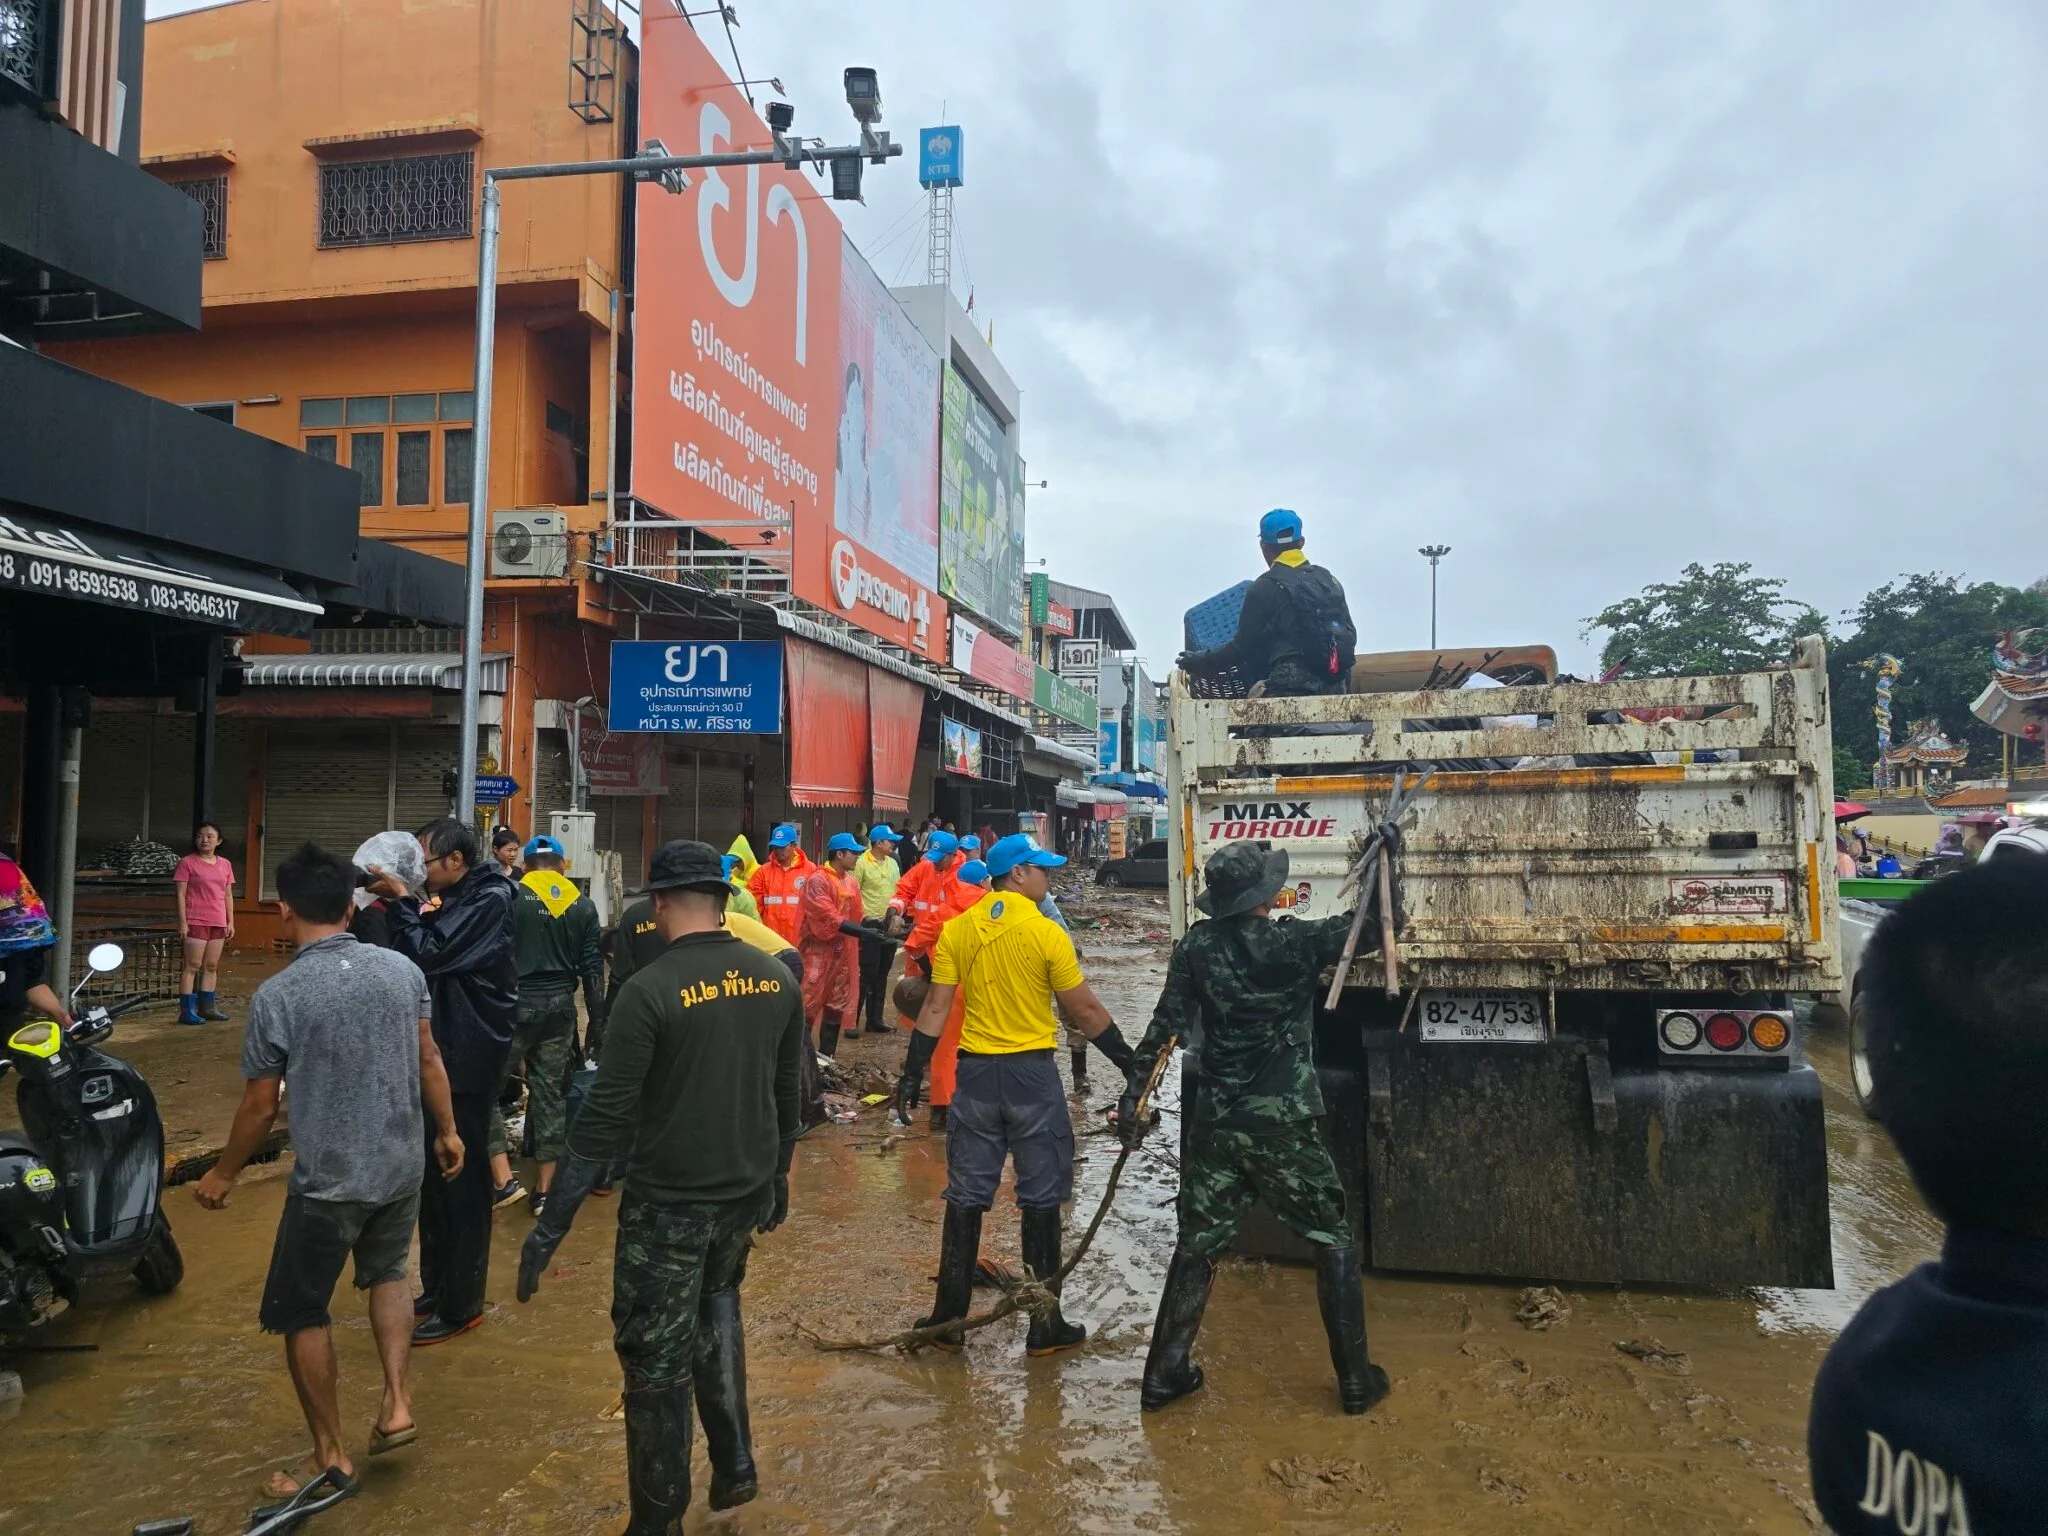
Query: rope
(1027, 1295)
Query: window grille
(385, 202)
(211, 194)
(28, 46)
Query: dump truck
(1582, 1063)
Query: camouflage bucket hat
(1240, 877)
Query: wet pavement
(183, 1407)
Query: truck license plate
(1515, 1017)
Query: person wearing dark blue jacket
(1930, 1414)
(464, 946)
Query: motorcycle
(81, 1194)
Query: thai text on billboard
(737, 372)
(887, 465)
(981, 511)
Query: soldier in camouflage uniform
(698, 1082)
(1240, 994)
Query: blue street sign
(938, 157)
(724, 686)
(495, 788)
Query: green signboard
(1056, 696)
(1041, 597)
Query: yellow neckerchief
(557, 892)
(1290, 557)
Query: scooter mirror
(106, 957)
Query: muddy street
(1542, 1424)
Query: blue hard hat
(1280, 528)
(884, 834)
(1016, 849)
(541, 844)
(973, 872)
(784, 836)
(970, 844)
(941, 846)
(842, 842)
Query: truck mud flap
(1546, 1163)
(1263, 1235)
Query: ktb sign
(731, 687)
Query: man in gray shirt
(349, 1023)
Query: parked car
(1145, 866)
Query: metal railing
(670, 551)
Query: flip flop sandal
(382, 1440)
(323, 1492)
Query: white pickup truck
(1608, 895)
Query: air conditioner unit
(529, 543)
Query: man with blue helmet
(1294, 632)
(828, 917)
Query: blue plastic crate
(1213, 621)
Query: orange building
(337, 149)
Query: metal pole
(611, 430)
(66, 882)
(479, 503)
(1433, 553)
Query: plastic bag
(396, 853)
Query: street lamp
(653, 163)
(1433, 553)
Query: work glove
(866, 934)
(1130, 1130)
(911, 1084)
(896, 925)
(1111, 1043)
(575, 1177)
(780, 1213)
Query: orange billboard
(738, 383)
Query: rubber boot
(1169, 1373)
(1051, 1333)
(657, 1458)
(188, 1008)
(209, 1008)
(1080, 1069)
(959, 1247)
(828, 1036)
(1340, 1294)
(721, 1374)
(940, 1114)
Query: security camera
(846, 171)
(864, 95)
(780, 115)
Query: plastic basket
(1213, 621)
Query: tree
(1942, 632)
(1709, 621)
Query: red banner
(895, 712)
(828, 726)
(1059, 619)
(623, 764)
(986, 659)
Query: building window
(404, 432)
(384, 202)
(211, 194)
(221, 410)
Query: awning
(1131, 784)
(435, 669)
(53, 559)
(1060, 752)
(403, 584)
(829, 761)
(895, 711)
(1073, 795)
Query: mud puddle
(1493, 1425)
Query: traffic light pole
(789, 152)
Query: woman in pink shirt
(206, 919)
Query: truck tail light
(1768, 1032)
(1681, 1031)
(1724, 1032)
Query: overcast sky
(1585, 289)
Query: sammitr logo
(853, 585)
(1270, 819)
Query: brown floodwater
(184, 1408)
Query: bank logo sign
(725, 687)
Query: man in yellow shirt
(1009, 962)
(878, 874)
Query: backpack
(1321, 623)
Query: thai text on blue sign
(709, 686)
(938, 156)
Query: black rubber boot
(1169, 1373)
(1080, 1069)
(1052, 1333)
(828, 1036)
(959, 1247)
(1340, 1294)
(939, 1115)
(721, 1372)
(657, 1458)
